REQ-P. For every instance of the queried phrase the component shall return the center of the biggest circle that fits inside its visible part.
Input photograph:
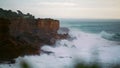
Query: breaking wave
(110, 36)
(85, 46)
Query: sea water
(92, 41)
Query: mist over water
(93, 41)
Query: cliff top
(9, 14)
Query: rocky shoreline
(22, 34)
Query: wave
(110, 36)
(85, 46)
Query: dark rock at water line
(63, 30)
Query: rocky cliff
(43, 25)
(10, 46)
(20, 25)
(21, 36)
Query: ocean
(93, 41)
(93, 25)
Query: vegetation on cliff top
(9, 14)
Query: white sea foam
(110, 36)
(84, 46)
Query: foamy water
(85, 46)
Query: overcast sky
(103, 9)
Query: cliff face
(44, 29)
(4, 29)
(10, 46)
(22, 35)
(48, 25)
(21, 25)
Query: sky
(93, 9)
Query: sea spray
(86, 46)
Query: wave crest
(110, 36)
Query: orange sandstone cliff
(43, 25)
(22, 34)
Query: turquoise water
(93, 25)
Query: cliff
(43, 25)
(20, 25)
(21, 36)
(10, 46)
(44, 29)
